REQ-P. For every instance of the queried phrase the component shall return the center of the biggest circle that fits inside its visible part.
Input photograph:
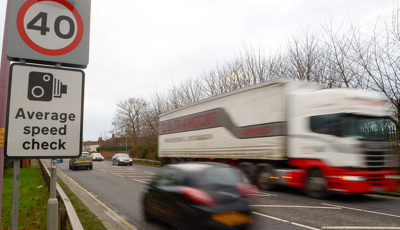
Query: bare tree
(129, 121)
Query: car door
(164, 194)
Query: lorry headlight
(392, 177)
(353, 178)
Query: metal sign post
(52, 204)
(15, 195)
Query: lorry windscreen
(352, 125)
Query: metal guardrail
(146, 160)
(68, 217)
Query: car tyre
(316, 185)
(146, 214)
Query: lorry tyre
(264, 180)
(247, 168)
(316, 184)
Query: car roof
(197, 166)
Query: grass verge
(33, 197)
(88, 220)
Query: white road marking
(361, 210)
(286, 221)
(144, 182)
(117, 174)
(266, 194)
(149, 172)
(294, 206)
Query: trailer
(289, 133)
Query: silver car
(97, 157)
(121, 159)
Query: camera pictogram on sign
(44, 86)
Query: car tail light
(247, 190)
(198, 196)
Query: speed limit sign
(50, 31)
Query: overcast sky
(138, 47)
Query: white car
(97, 157)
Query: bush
(143, 154)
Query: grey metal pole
(52, 204)
(15, 195)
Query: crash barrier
(68, 217)
(146, 160)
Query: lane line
(98, 201)
(286, 221)
(294, 206)
(144, 182)
(361, 210)
(117, 174)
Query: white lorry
(290, 133)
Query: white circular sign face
(50, 27)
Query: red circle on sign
(51, 52)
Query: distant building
(90, 146)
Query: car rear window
(220, 177)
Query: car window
(220, 177)
(85, 155)
(168, 177)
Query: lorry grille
(375, 158)
(377, 154)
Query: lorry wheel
(247, 169)
(264, 180)
(316, 184)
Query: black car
(199, 196)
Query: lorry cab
(342, 133)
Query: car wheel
(70, 167)
(73, 168)
(148, 217)
(316, 184)
(264, 180)
(91, 167)
(130, 164)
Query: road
(119, 187)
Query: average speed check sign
(55, 31)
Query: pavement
(107, 216)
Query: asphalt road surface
(118, 188)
